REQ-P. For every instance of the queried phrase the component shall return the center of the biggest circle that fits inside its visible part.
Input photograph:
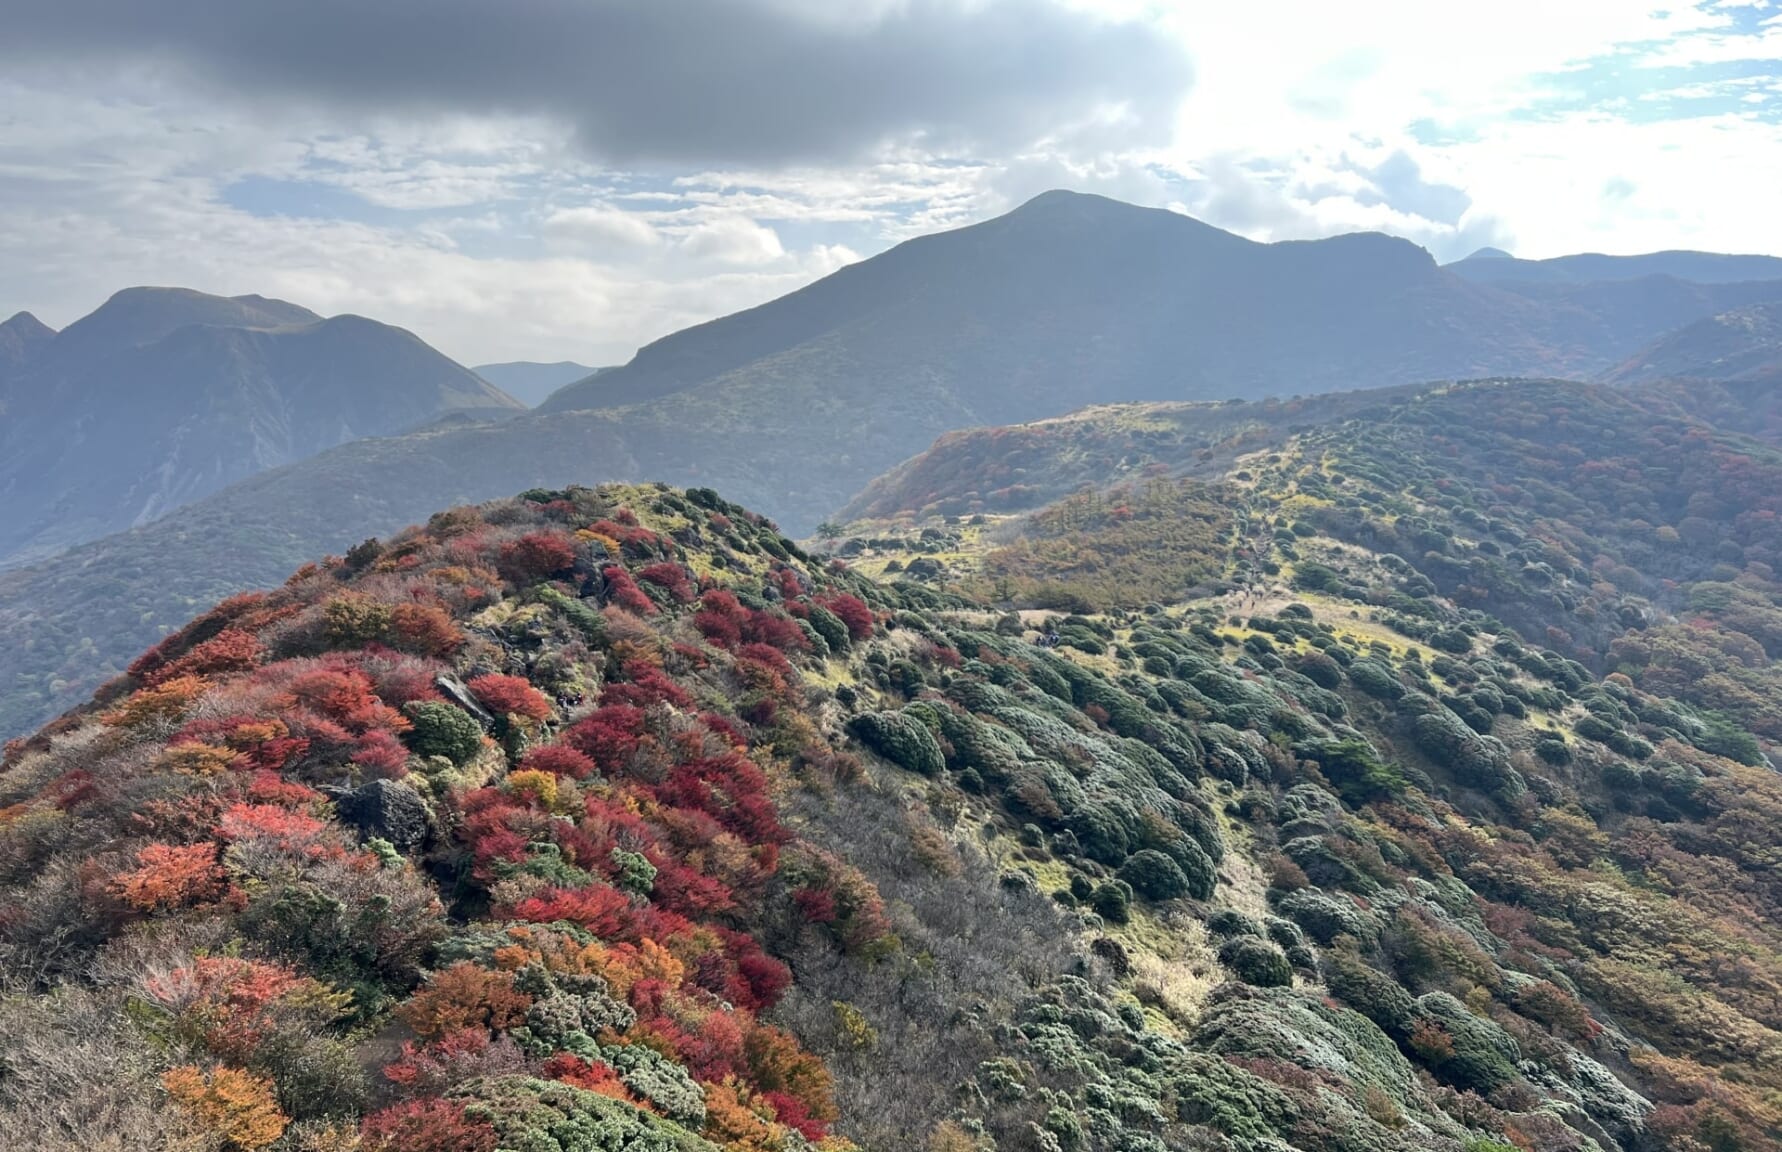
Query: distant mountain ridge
(531, 382)
(794, 407)
(162, 396)
(1495, 266)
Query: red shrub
(592, 1075)
(609, 735)
(230, 650)
(647, 685)
(721, 629)
(400, 679)
(606, 912)
(815, 905)
(622, 591)
(559, 760)
(333, 689)
(854, 613)
(424, 629)
(781, 632)
(789, 583)
(466, 996)
(426, 1126)
(511, 695)
(671, 578)
(381, 753)
(537, 556)
(289, 831)
(431, 1069)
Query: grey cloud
(704, 81)
(1400, 184)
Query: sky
(571, 179)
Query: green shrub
(1256, 962)
(1325, 917)
(442, 729)
(901, 739)
(1154, 875)
(1231, 922)
(830, 627)
(1355, 769)
(1376, 679)
(1484, 1056)
(1554, 750)
(549, 1116)
(1112, 901)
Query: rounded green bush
(441, 729)
(901, 739)
(1154, 875)
(1256, 962)
(1376, 679)
(1112, 901)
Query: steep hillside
(527, 829)
(529, 382)
(163, 396)
(1744, 344)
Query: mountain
(794, 407)
(1494, 266)
(611, 819)
(163, 396)
(1073, 300)
(1744, 344)
(530, 382)
(21, 339)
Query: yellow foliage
(534, 784)
(165, 704)
(740, 1124)
(855, 1030)
(236, 1106)
(195, 760)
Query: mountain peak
(140, 315)
(25, 326)
(20, 340)
(1490, 254)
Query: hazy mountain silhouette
(164, 395)
(531, 382)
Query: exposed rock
(388, 809)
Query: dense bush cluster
(254, 839)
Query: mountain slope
(1744, 344)
(1075, 299)
(796, 406)
(609, 820)
(163, 396)
(1493, 267)
(531, 383)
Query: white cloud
(602, 227)
(496, 237)
(732, 240)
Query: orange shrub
(234, 1105)
(466, 996)
(163, 704)
(168, 877)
